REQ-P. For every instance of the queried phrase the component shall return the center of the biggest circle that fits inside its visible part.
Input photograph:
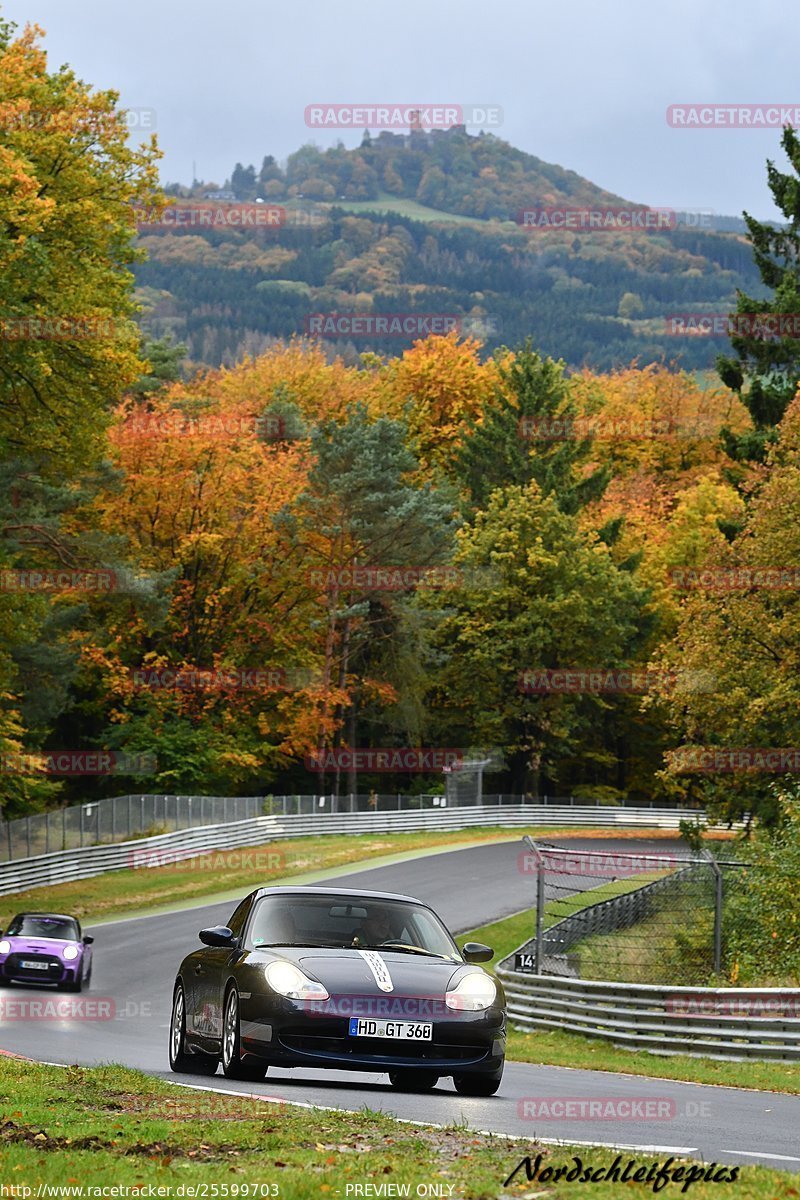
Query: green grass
(110, 1126)
(411, 208)
(666, 945)
(559, 1048)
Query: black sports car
(365, 981)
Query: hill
(428, 224)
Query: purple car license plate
(33, 966)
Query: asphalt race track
(136, 960)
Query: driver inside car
(376, 929)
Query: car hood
(374, 972)
(37, 945)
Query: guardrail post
(708, 856)
(80, 826)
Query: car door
(208, 973)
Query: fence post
(540, 882)
(80, 824)
(717, 910)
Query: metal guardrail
(700, 1022)
(82, 863)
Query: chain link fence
(627, 918)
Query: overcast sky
(580, 83)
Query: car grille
(380, 1048)
(54, 971)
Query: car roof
(361, 893)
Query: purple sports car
(46, 948)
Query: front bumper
(467, 1043)
(55, 971)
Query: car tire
(74, 985)
(180, 1060)
(233, 1065)
(413, 1081)
(477, 1085)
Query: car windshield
(31, 925)
(339, 922)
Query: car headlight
(5, 946)
(472, 993)
(70, 952)
(288, 980)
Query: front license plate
(412, 1031)
(33, 966)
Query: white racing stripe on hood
(379, 969)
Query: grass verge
(110, 1126)
(559, 1048)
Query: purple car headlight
(70, 953)
(5, 946)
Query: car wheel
(179, 1059)
(74, 985)
(477, 1085)
(413, 1081)
(233, 1065)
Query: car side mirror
(219, 935)
(476, 952)
(87, 941)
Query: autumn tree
(537, 594)
(68, 350)
(362, 508)
(741, 629)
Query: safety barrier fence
(119, 818)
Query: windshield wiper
(404, 948)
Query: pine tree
(766, 371)
(525, 434)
